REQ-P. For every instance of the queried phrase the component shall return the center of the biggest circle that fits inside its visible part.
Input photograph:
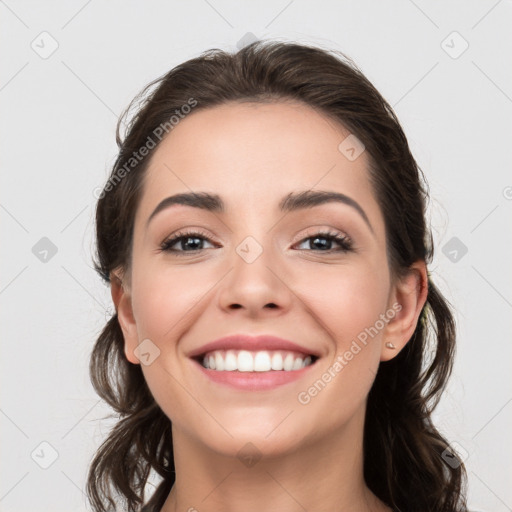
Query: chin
(269, 437)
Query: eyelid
(321, 228)
(187, 232)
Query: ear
(407, 299)
(122, 300)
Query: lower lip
(253, 381)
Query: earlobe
(410, 292)
(123, 304)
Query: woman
(278, 343)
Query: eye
(189, 241)
(322, 242)
(192, 241)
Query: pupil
(186, 240)
(321, 244)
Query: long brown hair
(403, 451)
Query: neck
(323, 475)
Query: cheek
(163, 298)
(165, 302)
(349, 303)
(346, 301)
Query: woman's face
(258, 269)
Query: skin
(253, 155)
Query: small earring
(390, 345)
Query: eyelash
(345, 243)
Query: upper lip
(251, 343)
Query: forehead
(253, 154)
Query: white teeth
(230, 363)
(288, 362)
(297, 364)
(219, 362)
(277, 361)
(245, 361)
(261, 361)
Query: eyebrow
(294, 201)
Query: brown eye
(322, 242)
(191, 241)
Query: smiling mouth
(255, 361)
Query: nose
(256, 283)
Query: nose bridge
(252, 257)
(253, 238)
(254, 281)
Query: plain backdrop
(68, 69)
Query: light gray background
(57, 135)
